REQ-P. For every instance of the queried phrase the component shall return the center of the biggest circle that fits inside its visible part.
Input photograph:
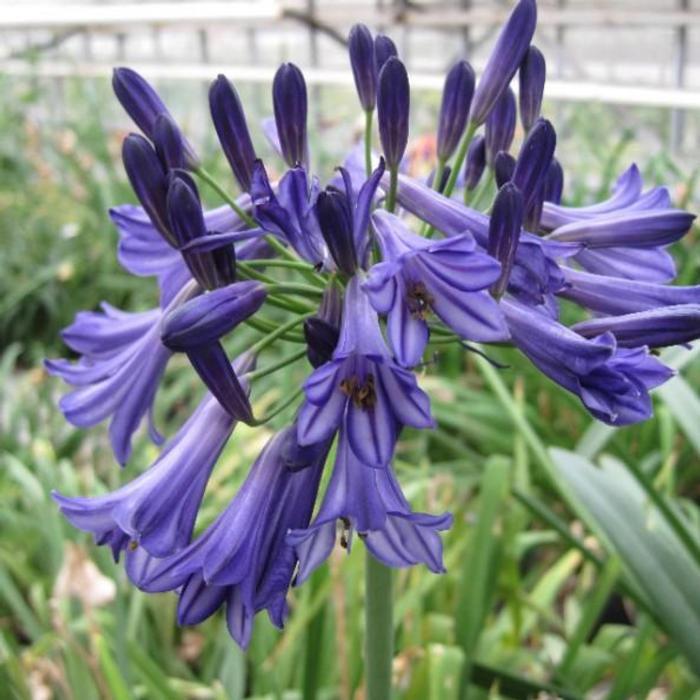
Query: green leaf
(616, 507)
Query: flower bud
(149, 181)
(212, 269)
(503, 167)
(231, 127)
(393, 101)
(532, 77)
(323, 330)
(384, 49)
(143, 105)
(554, 182)
(335, 220)
(500, 125)
(208, 317)
(364, 67)
(504, 232)
(168, 142)
(506, 56)
(475, 162)
(290, 106)
(454, 110)
(534, 159)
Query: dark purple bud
(364, 67)
(212, 269)
(504, 232)
(500, 125)
(532, 76)
(384, 49)
(531, 220)
(290, 103)
(475, 162)
(168, 142)
(533, 160)
(322, 331)
(232, 129)
(149, 181)
(393, 103)
(443, 179)
(454, 110)
(208, 317)
(554, 182)
(503, 167)
(143, 105)
(335, 220)
(506, 56)
(213, 367)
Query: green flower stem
(278, 409)
(437, 178)
(205, 175)
(379, 629)
(457, 164)
(271, 369)
(273, 262)
(368, 141)
(278, 333)
(264, 325)
(303, 290)
(393, 185)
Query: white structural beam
(566, 91)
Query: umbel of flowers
(373, 288)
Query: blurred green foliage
(563, 580)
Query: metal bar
(556, 90)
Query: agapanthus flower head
(363, 64)
(500, 125)
(454, 109)
(393, 103)
(232, 129)
(532, 78)
(143, 105)
(475, 162)
(290, 105)
(505, 59)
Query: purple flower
(504, 233)
(212, 269)
(454, 109)
(505, 58)
(362, 389)
(118, 374)
(157, 510)
(613, 383)
(532, 77)
(231, 127)
(289, 213)
(475, 162)
(554, 182)
(393, 102)
(343, 216)
(144, 106)
(290, 105)
(242, 559)
(384, 49)
(500, 125)
(323, 330)
(656, 327)
(533, 162)
(370, 502)
(419, 276)
(196, 326)
(614, 296)
(363, 64)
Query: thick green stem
(368, 141)
(393, 185)
(270, 369)
(379, 629)
(277, 333)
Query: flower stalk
(379, 629)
